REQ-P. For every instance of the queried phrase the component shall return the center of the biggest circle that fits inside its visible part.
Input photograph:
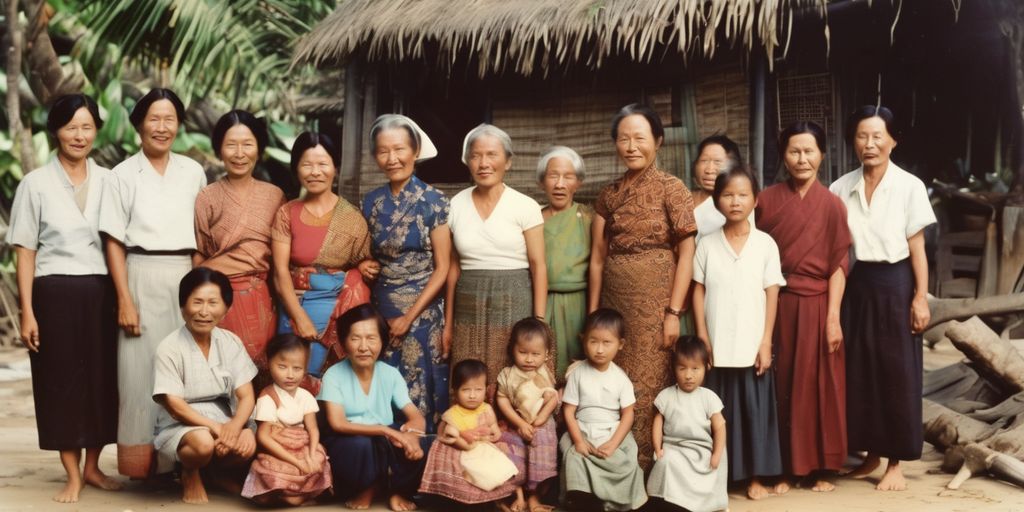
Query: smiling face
(316, 170)
(363, 344)
(488, 161)
(530, 353)
(737, 199)
(240, 151)
(159, 128)
(803, 157)
(635, 143)
(287, 368)
(689, 372)
(601, 346)
(204, 309)
(472, 392)
(76, 138)
(710, 163)
(395, 155)
(560, 183)
(873, 142)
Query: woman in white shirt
(67, 303)
(498, 274)
(885, 308)
(147, 214)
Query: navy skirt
(751, 421)
(883, 361)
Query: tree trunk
(996, 359)
(45, 75)
(944, 310)
(946, 428)
(20, 134)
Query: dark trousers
(359, 462)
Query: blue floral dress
(400, 227)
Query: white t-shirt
(599, 398)
(143, 209)
(709, 218)
(899, 209)
(46, 219)
(734, 300)
(293, 409)
(498, 242)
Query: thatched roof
(531, 36)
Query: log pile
(973, 411)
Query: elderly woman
(202, 380)
(67, 302)
(411, 243)
(147, 214)
(885, 307)
(641, 261)
(498, 273)
(317, 241)
(360, 395)
(233, 220)
(809, 226)
(560, 172)
(715, 155)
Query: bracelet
(538, 317)
(676, 312)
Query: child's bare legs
(870, 464)
(69, 494)
(893, 479)
(756, 490)
(94, 476)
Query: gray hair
(486, 129)
(394, 122)
(563, 152)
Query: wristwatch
(676, 312)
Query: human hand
(920, 315)
(716, 459)
(526, 432)
(128, 319)
(304, 327)
(446, 341)
(245, 447)
(412, 448)
(369, 269)
(659, 453)
(833, 333)
(398, 327)
(229, 435)
(606, 450)
(764, 358)
(671, 330)
(584, 448)
(30, 331)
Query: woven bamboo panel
(723, 106)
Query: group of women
(105, 255)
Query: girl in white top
(498, 273)
(290, 467)
(147, 216)
(738, 276)
(67, 316)
(599, 454)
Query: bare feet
(193, 491)
(100, 480)
(822, 485)
(362, 500)
(535, 505)
(781, 487)
(756, 490)
(69, 494)
(399, 503)
(893, 479)
(867, 467)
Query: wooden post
(757, 121)
(351, 132)
(1011, 261)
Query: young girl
(527, 399)
(689, 436)
(290, 467)
(738, 276)
(467, 463)
(599, 453)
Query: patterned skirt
(487, 304)
(443, 475)
(639, 287)
(269, 474)
(540, 457)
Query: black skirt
(74, 374)
(751, 421)
(883, 361)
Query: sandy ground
(29, 476)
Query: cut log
(995, 359)
(935, 334)
(944, 310)
(980, 459)
(945, 428)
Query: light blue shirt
(387, 389)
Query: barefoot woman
(885, 307)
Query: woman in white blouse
(885, 306)
(67, 308)
(498, 274)
(147, 215)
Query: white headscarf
(387, 121)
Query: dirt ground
(29, 476)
